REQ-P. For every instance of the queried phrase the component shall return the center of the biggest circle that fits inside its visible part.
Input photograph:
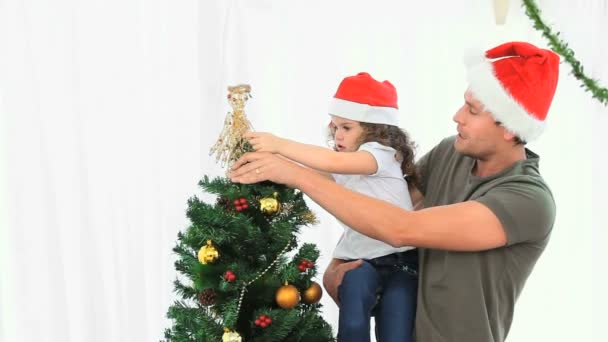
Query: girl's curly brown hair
(396, 138)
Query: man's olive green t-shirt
(470, 296)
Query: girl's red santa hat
(364, 99)
(515, 82)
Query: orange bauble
(287, 296)
(312, 294)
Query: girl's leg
(358, 295)
(396, 311)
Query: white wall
(109, 110)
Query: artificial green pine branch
(284, 322)
(184, 291)
(192, 325)
(310, 329)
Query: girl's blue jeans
(385, 288)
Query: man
(488, 213)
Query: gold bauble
(312, 294)
(208, 253)
(231, 336)
(269, 205)
(287, 296)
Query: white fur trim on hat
(364, 112)
(496, 99)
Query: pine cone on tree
(224, 203)
(207, 297)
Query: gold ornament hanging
(231, 336)
(287, 296)
(231, 145)
(312, 294)
(208, 253)
(270, 205)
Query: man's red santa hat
(516, 82)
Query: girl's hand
(264, 142)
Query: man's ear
(508, 135)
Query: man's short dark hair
(517, 140)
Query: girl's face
(347, 134)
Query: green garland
(560, 47)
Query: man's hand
(332, 278)
(254, 167)
(264, 142)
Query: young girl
(371, 155)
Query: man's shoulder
(527, 182)
(526, 174)
(444, 148)
(446, 144)
(443, 158)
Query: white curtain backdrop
(109, 108)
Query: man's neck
(499, 162)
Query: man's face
(478, 135)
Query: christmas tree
(241, 274)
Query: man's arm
(467, 226)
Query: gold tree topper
(231, 144)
